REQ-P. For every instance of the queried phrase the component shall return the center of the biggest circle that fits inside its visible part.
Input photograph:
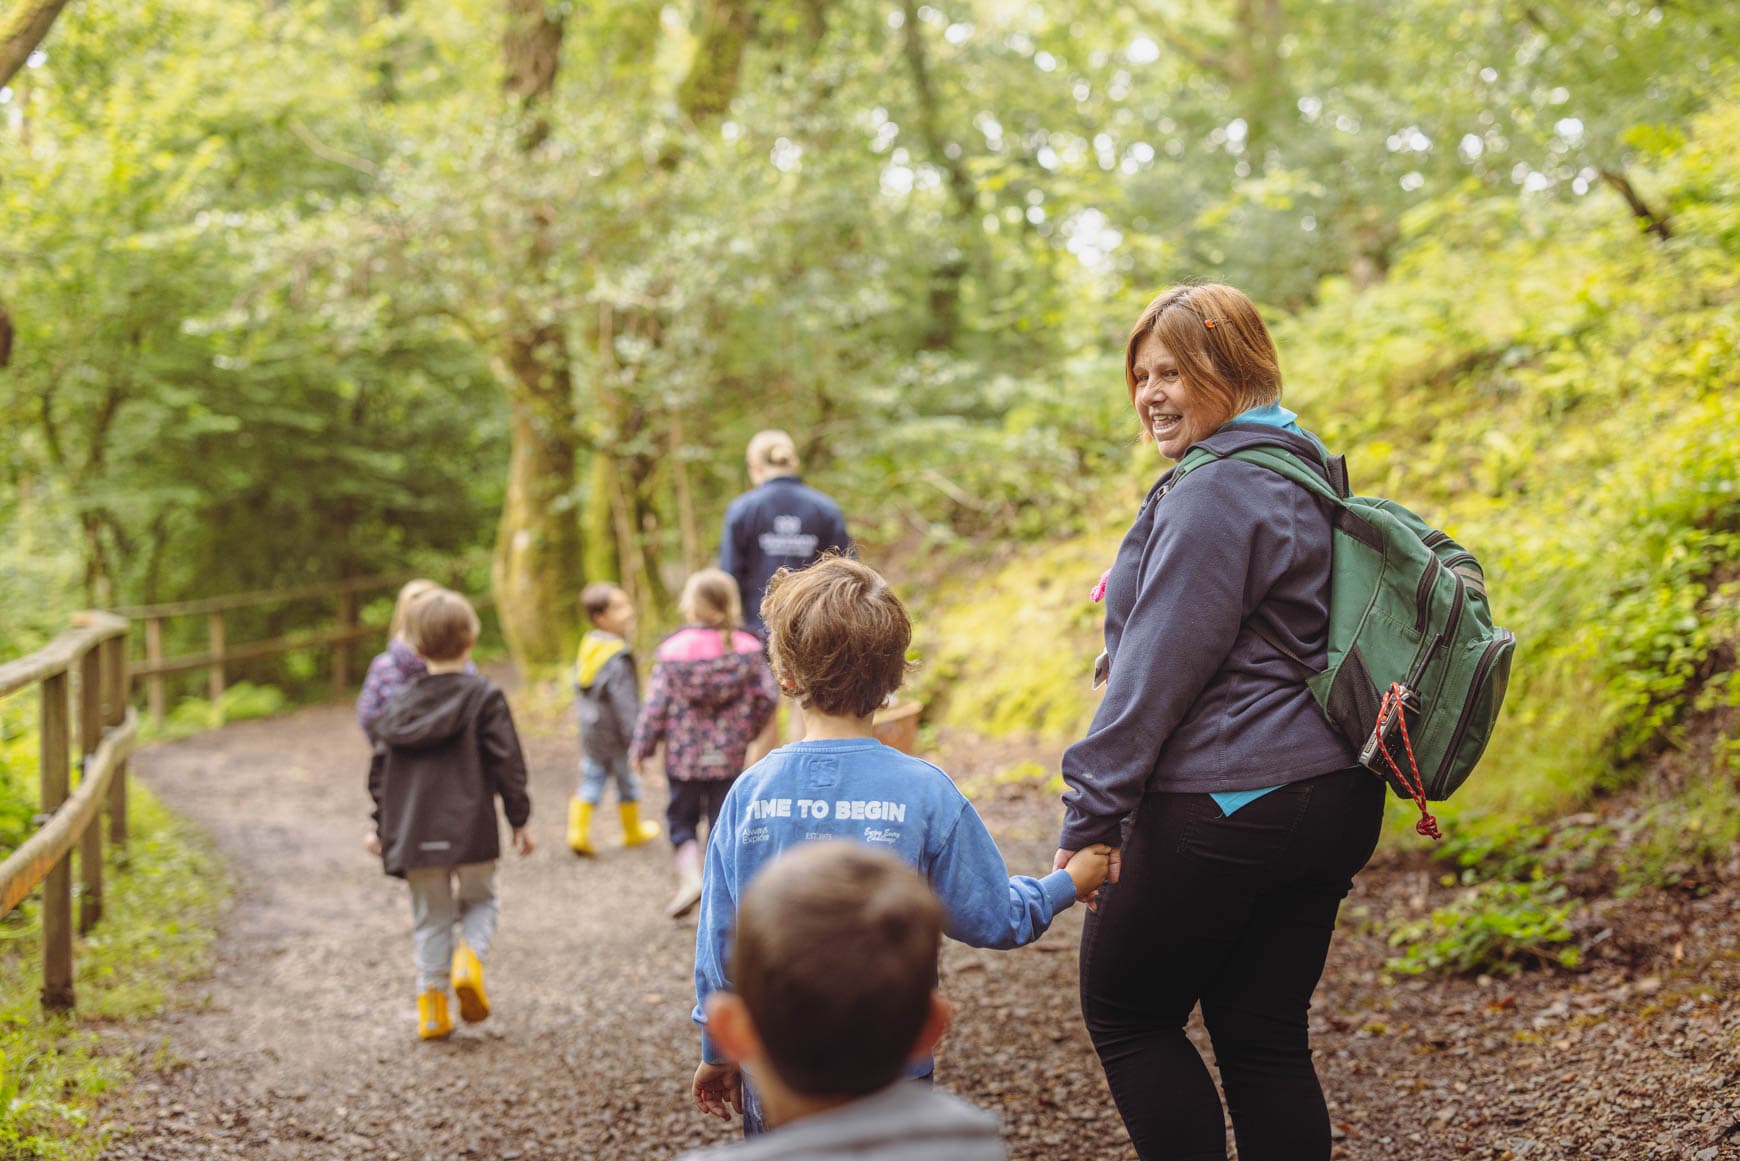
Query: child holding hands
(445, 750)
(837, 636)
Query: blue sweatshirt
(1197, 701)
(857, 788)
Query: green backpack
(1417, 670)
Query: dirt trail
(302, 1044)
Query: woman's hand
(372, 843)
(1114, 861)
(523, 843)
(714, 1086)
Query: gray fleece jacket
(1197, 701)
(607, 696)
(908, 1121)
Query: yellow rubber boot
(634, 831)
(580, 826)
(433, 1022)
(468, 985)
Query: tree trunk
(707, 91)
(387, 67)
(944, 296)
(21, 30)
(1257, 68)
(686, 523)
(536, 575)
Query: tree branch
(21, 30)
(1653, 222)
(329, 153)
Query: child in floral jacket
(710, 695)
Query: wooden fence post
(216, 621)
(154, 655)
(90, 737)
(57, 972)
(341, 650)
(115, 706)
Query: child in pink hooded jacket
(710, 694)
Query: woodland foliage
(336, 287)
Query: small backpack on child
(1417, 670)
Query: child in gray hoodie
(833, 972)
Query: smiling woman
(1239, 814)
(1198, 356)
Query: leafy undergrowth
(163, 897)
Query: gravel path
(302, 1044)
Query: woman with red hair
(1239, 813)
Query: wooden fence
(87, 667)
(220, 650)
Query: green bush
(239, 702)
(1492, 928)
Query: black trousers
(690, 799)
(1234, 913)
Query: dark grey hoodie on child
(908, 1121)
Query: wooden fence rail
(221, 651)
(84, 680)
(94, 654)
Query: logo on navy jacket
(788, 538)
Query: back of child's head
(441, 626)
(595, 598)
(408, 596)
(837, 636)
(835, 957)
(710, 598)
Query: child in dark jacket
(607, 702)
(446, 749)
(710, 695)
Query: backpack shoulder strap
(1285, 463)
(1277, 457)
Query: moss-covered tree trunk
(944, 294)
(536, 574)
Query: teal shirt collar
(1272, 414)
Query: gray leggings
(440, 897)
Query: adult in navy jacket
(779, 523)
(1239, 812)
